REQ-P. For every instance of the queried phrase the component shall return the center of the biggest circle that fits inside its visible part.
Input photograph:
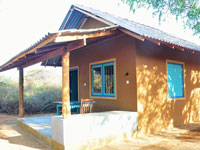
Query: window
(103, 79)
(175, 80)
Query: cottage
(125, 66)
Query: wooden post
(21, 93)
(65, 85)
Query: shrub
(38, 98)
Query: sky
(23, 22)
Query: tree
(186, 10)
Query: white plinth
(84, 128)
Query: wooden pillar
(21, 93)
(65, 84)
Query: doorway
(73, 84)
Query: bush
(38, 98)
(8, 96)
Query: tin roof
(141, 29)
(73, 20)
(28, 50)
(53, 39)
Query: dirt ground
(185, 137)
(13, 137)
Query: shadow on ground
(13, 137)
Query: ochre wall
(147, 92)
(121, 48)
(155, 110)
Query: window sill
(182, 98)
(99, 97)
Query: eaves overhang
(52, 42)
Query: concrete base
(93, 129)
(42, 136)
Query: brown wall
(121, 48)
(146, 62)
(155, 110)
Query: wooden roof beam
(76, 45)
(95, 41)
(49, 48)
(33, 49)
(94, 16)
(69, 38)
(70, 47)
(157, 42)
(132, 34)
(173, 46)
(43, 57)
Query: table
(74, 105)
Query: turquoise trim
(175, 80)
(93, 67)
(102, 66)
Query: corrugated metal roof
(47, 36)
(66, 18)
(141, 29)
(56, 61)
(72, 19)
(49, 40)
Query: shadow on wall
(155, 110)
(191, 111)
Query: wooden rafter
(157, 42)
(132, 34)
(44, 57)
(85, 36)
(70, 47)
(95, 17)
(75, 45)
(95, 41)
(32, 50)
(173, 46)
(50, 47)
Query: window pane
(96, 79)
(175, 80)
(109, 79)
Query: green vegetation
(186, 10)
(39, 93)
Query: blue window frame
(103, 79)
(175, 80)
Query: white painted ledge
(83, 128)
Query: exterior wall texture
(155, 110)
(123, 50)
(147, 92)
(93, 23)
